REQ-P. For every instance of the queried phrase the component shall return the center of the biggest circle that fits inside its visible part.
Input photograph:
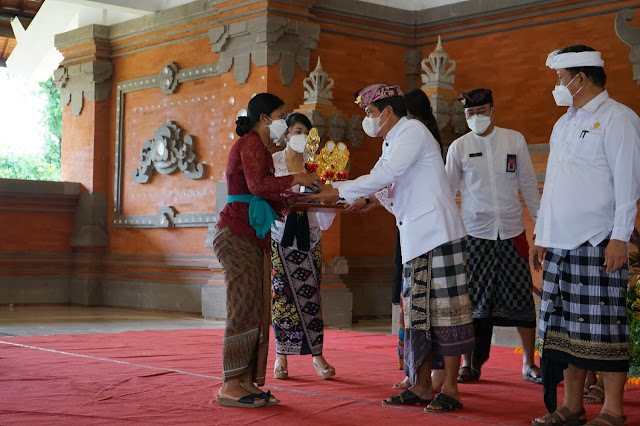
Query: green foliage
(52, 120)
(46, 164)
(633, 309)
(28, 166)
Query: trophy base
(317, 207)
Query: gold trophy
(313, 142)
(333, 162)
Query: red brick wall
(509, 61)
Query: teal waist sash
(261, 214)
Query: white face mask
(277, 128)
(298, 142)
(562, 95)
(371, 125)
(479, 123)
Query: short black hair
(595, 74)
(396, 102)
(296, 117)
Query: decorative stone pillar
(412, 61)
(631, 37)
(85, 81)
(438, 79)
(85, 87)
(325, 116)
(337, 299)
(89, 241)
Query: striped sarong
(246, 335)
(583, 319)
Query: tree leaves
(46, 164)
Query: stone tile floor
(47, 320)
(33, 321)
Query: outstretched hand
(309, 180)
(326, 195)
(361, 205)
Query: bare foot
(233, 392)
(280, 370)
(405, 384)
(594, 396)
(257, 391)
(437, 379)
(320, 362)
(411, 396)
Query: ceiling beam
(5, 11)
(6, 31)
(4, 50)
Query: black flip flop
(268, 398)
(247, 401)
(406, 398)
(445, 403)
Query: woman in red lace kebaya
(255, 199)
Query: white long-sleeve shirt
(592, 183)
(419, 197)
(488, 170)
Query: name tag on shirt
(511, 163)
(475, 154)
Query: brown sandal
(563, 416)
(605, 419)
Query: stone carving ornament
(436, 74)
(631, 37)
(336, 127)
(169, 78)
(166, 153)
(90, 81)
(318, 85)
(355, 134)
(264, 40)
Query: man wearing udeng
(585, 222)
(432, 238)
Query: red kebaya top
(250, 171)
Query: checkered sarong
(441, 286)
(583, 320)
(500, 285)
(437, 281)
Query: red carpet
(170, 377)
